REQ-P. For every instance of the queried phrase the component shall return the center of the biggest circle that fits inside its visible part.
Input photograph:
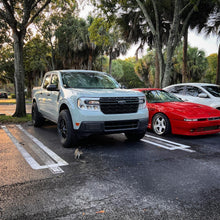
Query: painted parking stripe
(166, 144)
(30, 160)
(59, 160)
(52, 161)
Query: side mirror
(52, 87)
(203, 95)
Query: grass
(12, 101)
(4, 119)
(7, 101)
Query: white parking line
(52, 161)
(169, 145)
(59, 160)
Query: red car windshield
(160, 96)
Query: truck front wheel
(134, 136)
(65, 129)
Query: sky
(208, 44)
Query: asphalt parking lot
(175, 177)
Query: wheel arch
(63, 106)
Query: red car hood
(188, 109)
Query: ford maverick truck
(84, 102)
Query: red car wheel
(161, 124)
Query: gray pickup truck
(84, 102)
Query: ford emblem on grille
(121, 102)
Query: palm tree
(213, 26)
(198, 19)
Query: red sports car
(169, 114)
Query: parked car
(3, 94)
(169, 114)
(202, 93)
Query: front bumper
(196, 128)
(109, 127)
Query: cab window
(46, 81)
(55, 80)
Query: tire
(65, 129)
(161, 124)
(37, 118)
(135, 136)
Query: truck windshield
(88, 80)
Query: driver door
(53, 98)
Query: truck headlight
(91, 104)
(142, 103)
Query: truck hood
(101, 93)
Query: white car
(202, 93)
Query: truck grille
(119, 125)
(119, 105)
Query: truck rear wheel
(37, 118)
(65, 129)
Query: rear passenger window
(177, 90)
(193, 91)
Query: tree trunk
(161, 63)
(110, 63)
(218, 67)
(185, 45)
(19, 74)
(53, 56)
(157, 72)
(90, 58)
(166, 79)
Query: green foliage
(37, 59)
(4, 34)
(129, 79)
(106, 34)
(74, 45)
(6, 64)
(160, 24)
(36, 54)
(13, 96)
(117, 70)
(99, 32)
(210, 76)
(145, 68)
(4, 119)
(101, 63)
(196, 64)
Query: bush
(13, 96)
